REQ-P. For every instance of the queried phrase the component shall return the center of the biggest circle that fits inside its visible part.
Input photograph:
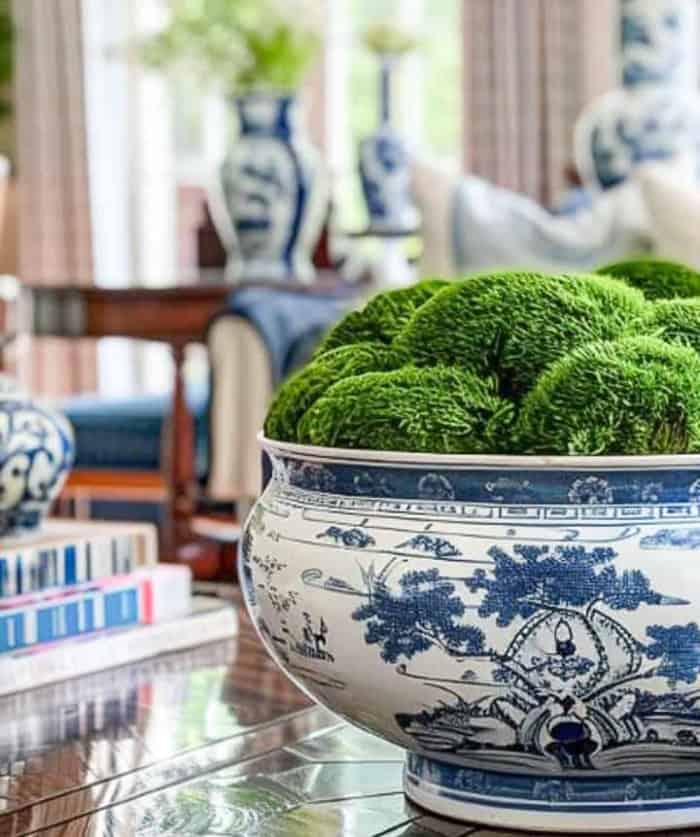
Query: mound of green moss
(513, 325)
(675, 321)
(382, 317)
(656, 279)
(303, 389)
(629, 396)
(512, 362)
(439, 410)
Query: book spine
(142, 598)
(68, 563)
(19, 672)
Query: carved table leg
(179, 460)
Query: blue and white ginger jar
(36, 454)
(528, 628)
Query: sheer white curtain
(56, 244)
(132, 176)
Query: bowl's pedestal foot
(551, 804)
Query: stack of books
(78, 597)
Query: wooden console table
(176, 316)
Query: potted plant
(479, 542)
(383, 159)
(270, 199)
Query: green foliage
(630, 396)
(438, 410)
(675, 321)
(242, 44)
(514, 324)
(302, 390)
(382, 317)
(656, 279)
(386, 38)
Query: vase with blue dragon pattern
(384, 168)
(272, 197)
(527, 627)
(655, 115)
(36, 453)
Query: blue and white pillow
(469, 224)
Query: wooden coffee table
(213, 741)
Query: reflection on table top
(213, 741)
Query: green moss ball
(655, 278)
(513, 325)
(382, 317)
(637, 395)
(439, 410)
(675, 321)
(300, 391)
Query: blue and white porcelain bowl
(526, 627)
(36, 454)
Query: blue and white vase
(384, 167)
(527, 627)
(271, 200)
(655, 115)
(37, 450)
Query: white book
(208, 620)
(64, 553)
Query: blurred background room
(193, 191)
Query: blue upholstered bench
(125, 435)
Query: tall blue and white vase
(271, 198)
(384, 168)
(655, 114)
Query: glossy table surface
(213, 741)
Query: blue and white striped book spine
(206, 620)
(64, 562)
(144, 597)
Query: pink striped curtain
(55, 236)
(527, 74)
